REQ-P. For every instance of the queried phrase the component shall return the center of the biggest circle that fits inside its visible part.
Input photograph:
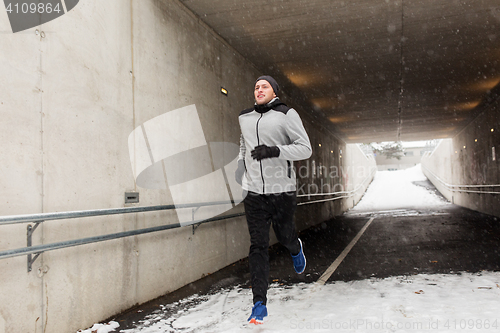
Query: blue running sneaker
(299, 261)
(259, 311)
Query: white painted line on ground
(333, 267)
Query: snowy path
(467, 302)
(395, 189)
(417, 303)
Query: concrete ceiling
(376, 70)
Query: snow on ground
(461, 302)
(421, 303)
(102, 328)
(394, 189)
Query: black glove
(263, 151)
(238, 175)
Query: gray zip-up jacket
(277, 125)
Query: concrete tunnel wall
(69, 101)
(470, 158)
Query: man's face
(263, 92)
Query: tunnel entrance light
(223, 91)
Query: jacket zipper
(258, 144)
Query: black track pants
(261, 211)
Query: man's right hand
(238, 175)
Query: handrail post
(29, 234)
(196, 225)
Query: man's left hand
(261, 152)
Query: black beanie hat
(271, 81)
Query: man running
(272, 137)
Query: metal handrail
(455, 188)
(29, 250)
(14, 219)
(60, 245)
